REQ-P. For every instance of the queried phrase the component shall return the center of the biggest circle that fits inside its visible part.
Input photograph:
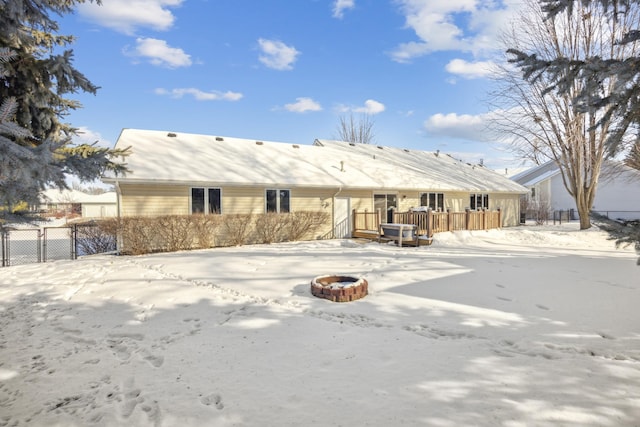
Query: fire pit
(339, 288)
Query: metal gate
(26, 246)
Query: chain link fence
(26, 246)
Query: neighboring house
(617, 195)
(179, 173)
(100, 205)
(76, 203)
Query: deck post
(353, 220)
(499, 218)
(429, 218)
(467, 219)
(366, 220)
(485, 218)
(449, 220)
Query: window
(433, 200)
(386, 204)
(278, 201)
(209, 197)
(479, 201)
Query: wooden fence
(367, 224)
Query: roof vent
(437, 153)
(259, 142)
(219, 138)
(352, 144)
(171, 135)
(406, 151)
(295, 146)
(380, 147)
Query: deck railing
(367, 222)
(428, 222)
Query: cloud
(463, 126)
(277, 55)
(160, 53)
(370, 107)
(302, 105)
(446, 25)
(339, 6)
(88, 136)
(200, 95)
(126, 16)
(471, 70)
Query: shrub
(141, 235)
(96, 237)
(272, 227)
(205, 228)
(303, 224)
(174, 232)
(138, 235)
(237, 229)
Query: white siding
(99, 210)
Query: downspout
(118, 213)
(118, 194)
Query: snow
(514, 327)
(189, 158)
(55, 195)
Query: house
(617, 195)
(76, 203)
(180, 173)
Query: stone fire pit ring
(339, 288)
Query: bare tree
(546, 124)
(89, 189)
(356, 130)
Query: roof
(54, 195)
(179, 158)
(537, 174)
(435, 170)
(611, 170)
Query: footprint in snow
(212, 399)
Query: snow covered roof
(54, 195)
(611, 170)
(433, 169)
(536, 174)
(161, 156)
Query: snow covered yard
(515, 327)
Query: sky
(287, 71)
(522, 326)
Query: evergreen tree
(35, 144)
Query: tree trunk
(584, 210)
(585, 220)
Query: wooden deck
(368, 225)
